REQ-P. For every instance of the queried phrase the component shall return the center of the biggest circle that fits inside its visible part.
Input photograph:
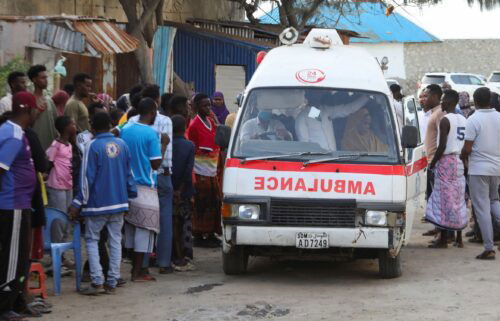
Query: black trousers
(15, 229)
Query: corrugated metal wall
(197, 54)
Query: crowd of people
(127, 171)
(463, 151)
(143, 175)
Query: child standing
(60, 182)
(182, 173)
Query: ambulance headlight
(378, 218)
(247, 211)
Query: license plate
(311, 240)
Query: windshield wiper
(346, 156)
(247, 159)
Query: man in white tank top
(446, 206)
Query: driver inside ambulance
(265, 128)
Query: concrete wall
(478, 56)
(176, 10)
(393, 51)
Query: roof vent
(323, 38)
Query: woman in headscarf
(60, 98)
(464, 103)
(219, 107)
(106, 100)
(359, 136)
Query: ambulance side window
(410, 115)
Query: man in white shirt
(424, 119)
(482, 150)
(17, 83)
(314, 123)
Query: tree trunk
(136, 27)
(142, 57)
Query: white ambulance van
(316, 163)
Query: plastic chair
(57, 249)
(36, 267)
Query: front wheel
(389, 267)
(235, 261)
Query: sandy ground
(436, 284)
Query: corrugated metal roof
(369, 20)
(106, 37)
(59, 37)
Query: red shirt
(206, 151)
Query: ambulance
(317, 163)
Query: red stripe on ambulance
(280, 166)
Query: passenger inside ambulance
(319, 121)
(315, 123)
(359, 135)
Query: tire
(235, 262)
(389, 267)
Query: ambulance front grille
(309, 213)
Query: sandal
(143, 278)
(438, 245)
(486, 255)
(42, 301)
(11, 316)
(31, 312)
(431, 233)
(40, 307)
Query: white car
(458, 81)
(494, 82)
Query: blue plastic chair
(57, 249)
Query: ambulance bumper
(363, 237)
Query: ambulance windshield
(308, 123)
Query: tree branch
(309, 12)
(146, 16)
(130, 9)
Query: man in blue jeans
(106, 185)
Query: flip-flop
(144, 278)
(30, 312)
(45, 303)
(40, 307)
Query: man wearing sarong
(482, 150)
(446, 206)
(143, 220)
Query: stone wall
(174, 10)
(478, 56)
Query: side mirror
(222, 136)
(409, 137)
(239, 99)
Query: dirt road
(436, 285)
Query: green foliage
(16, 64)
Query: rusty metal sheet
(106, 37)
(59, 37)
